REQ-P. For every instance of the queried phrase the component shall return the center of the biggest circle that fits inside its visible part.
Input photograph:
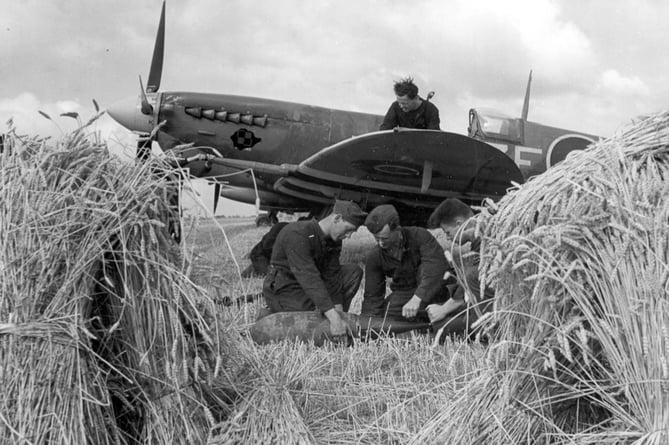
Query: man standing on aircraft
(412, 258)
(410, 110)
(456, 219)
(305, 273)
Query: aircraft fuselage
(254, 129)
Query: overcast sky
(597, 64)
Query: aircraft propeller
(155, 73)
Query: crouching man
(456, 219)
(414, 261)
(305, 273)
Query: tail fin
(526, 103)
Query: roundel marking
(563, 145)
(375, 167)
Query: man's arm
(452, 306)
(432, 117)
(332, 276)
(433, 266)
(303, 267)
(465, 242)
(390, 120)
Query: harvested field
(577, 353)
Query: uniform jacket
(421, 267)
(303, 256)
(426, 116)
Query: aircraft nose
(127, 113)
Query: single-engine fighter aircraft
(300, 158)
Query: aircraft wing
(412, 168)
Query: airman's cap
(350, 212)
(380, 216)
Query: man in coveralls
(414, 261)
(305, 273)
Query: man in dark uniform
(305, 273)
(412, 258)
(456, 219)
(410, 110)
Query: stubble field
(382, 391)
(113, 333)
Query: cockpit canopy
(491, 124)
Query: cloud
(23, 110)
(345, 54)
(595, 63)
(612, 82)
(24, 113)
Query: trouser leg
(285, 294)
(289, 301)
(397, 300)
(351, 278)
(374, 307)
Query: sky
(597, 64)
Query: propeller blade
(156, 70)
(217, 194)
(146, 106)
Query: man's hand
(436, 312)
(410, 309)
(338, 326)
(459, 251)
(467, 236)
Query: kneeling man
(457, 220)
(414, 261)
(305, 273)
